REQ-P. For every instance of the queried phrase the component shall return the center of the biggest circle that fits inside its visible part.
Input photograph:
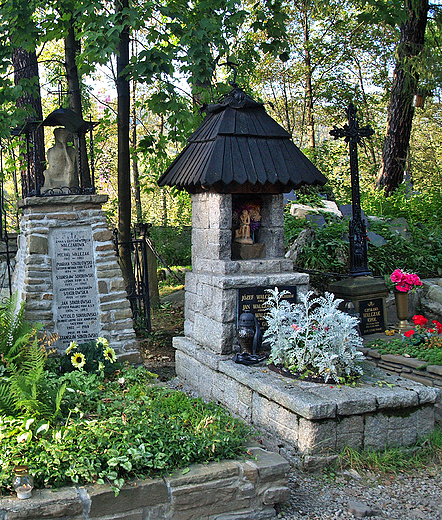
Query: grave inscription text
(75, 307)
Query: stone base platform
(229, 490)
(309, 423)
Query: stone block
(103, 236)
(294, 397)
(214, 335)
(409, 362)
(236, 397)
(425, 418)
(276, 495)
(349, 401)
(103, 287)
(200, 474)
(316, 436)
(395, 397)
(136, 495)
(274, 418)
(270, 466)
(45, 503)
(350, 432)
(435, 369)
(376, 431)
(38, 245)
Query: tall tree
(401, 109)
(123, 116)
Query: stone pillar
(68, 276)
(212, 286)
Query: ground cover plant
(80, 426)
(423, 341)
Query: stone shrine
(67, 273)
(240, 158)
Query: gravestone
(67, 273)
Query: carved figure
(242, 234)
(62, 171)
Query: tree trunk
(308, 80)
(401, 110)
(123, 116)
(26, 67)
(71, 50)
(135, 171)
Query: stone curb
(230, 490)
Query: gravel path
(349, 495)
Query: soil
(156, 346)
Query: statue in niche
(62, 171)
(242, 234)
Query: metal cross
(60, 92)
(357, 231)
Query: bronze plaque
(371, 313)
(252, 299)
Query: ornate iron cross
(357, 231)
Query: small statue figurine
(242, 234)
(62, 171)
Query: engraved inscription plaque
(371, 313)
(75, 306)
(252, 299)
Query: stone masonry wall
(33, 272)
(229, 490)
(309, 423)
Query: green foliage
(327, 251)
(313, 337)
(416, 207)
(173, 244)
(117, 430)
(15, 331)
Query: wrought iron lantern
(64, 118)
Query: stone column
(67, 273)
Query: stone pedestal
(368, 296)
(67, 273)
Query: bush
(173, 244)
(313, 337)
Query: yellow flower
(389, 332)
(102, 342)
(72, 346)
(109, 354)
(78, 360)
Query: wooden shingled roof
(239, 146)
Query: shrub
(313, 337)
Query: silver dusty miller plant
(313, 336)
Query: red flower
(438, 326)
(418, 319)
(409, 333)
(396, 276)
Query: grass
(424, 454)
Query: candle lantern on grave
(65, 172)
(236, 166)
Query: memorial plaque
(75, 306)
(371, 313)
(252, 299)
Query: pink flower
(415, 280)
(403, 287)
(409, 333)
(397, 276)
(295, 327)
